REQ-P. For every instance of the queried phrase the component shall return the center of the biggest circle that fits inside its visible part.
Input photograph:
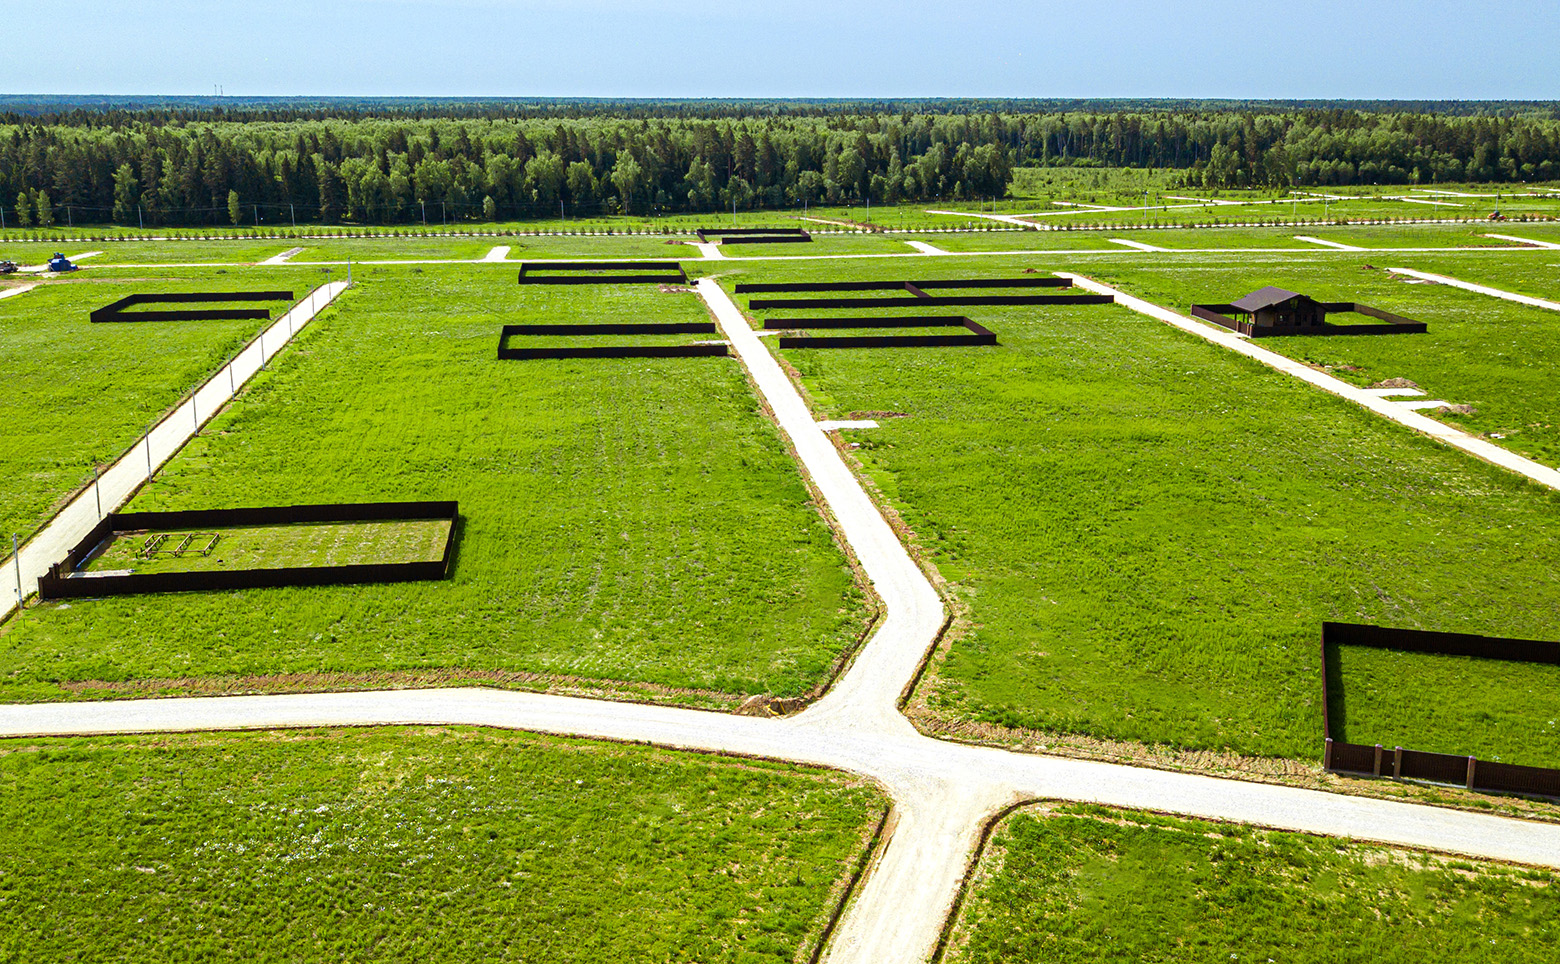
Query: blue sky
(789, 48)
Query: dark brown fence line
(977, 334)
(941, 301)
(505, 353)
(57, 583)
(614, 351)
(754, 235)
(116, 312)
(1398, 762)
(567, 278)
(616, 328)
(1226, 316)
(873, 321)
(743, 289)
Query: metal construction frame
(116, 311)
(1474, 774)
(60, 583)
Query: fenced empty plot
(117, 311)
(753, 235)
(214, 549)
(917, 294)
(973, 333)
(596, 331)
(601, 272)
(1376, 760)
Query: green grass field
(416, 844)
(1494, 355)
(77, 394)
(1494, 710)
(1083, 884)
(622, 519)
(1148, 531)
(305, 544)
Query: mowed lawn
(1087, 884)
(76, 393)
(1497, 356)
(621, 519)
(1148, 531)
(416, 844)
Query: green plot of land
(428, 845)
(1536, 274)
(1083, 884)
(974, 241)
(77, 394)
(300, 545)
(1148, 531)
(1491, 709)
(1496, 356)
(622, 519)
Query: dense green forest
(272, 164)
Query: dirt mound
(1394, 383)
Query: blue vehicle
(60, 264)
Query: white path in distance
(1535, 243)
(50, 544)
(1138, 245)
(499, 253)
(282, 258)
(1337, 245)
(19, 290)
(1479, 289)
(925, 248)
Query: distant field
(1021, 241)
(622, 519)
(1084, 884)
(416, 844)
(1495, 355)
(146, 252)
(1148, 531)
(75, 393)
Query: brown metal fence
(116, 312)
(1470, 772)
(565, 272)
(506, 353)
(60, 583)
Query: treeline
(161, 167)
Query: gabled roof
(1265, 298)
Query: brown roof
(1265, 298)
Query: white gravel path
(120, 480)
(710, 250)
(1529, 241)
(1395, 411)
(13, 292)
(1480, 289)
(925, 248)
(1335, 245)
(944, 793)
(1137, 245)
(282, 258)
(499, 253)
